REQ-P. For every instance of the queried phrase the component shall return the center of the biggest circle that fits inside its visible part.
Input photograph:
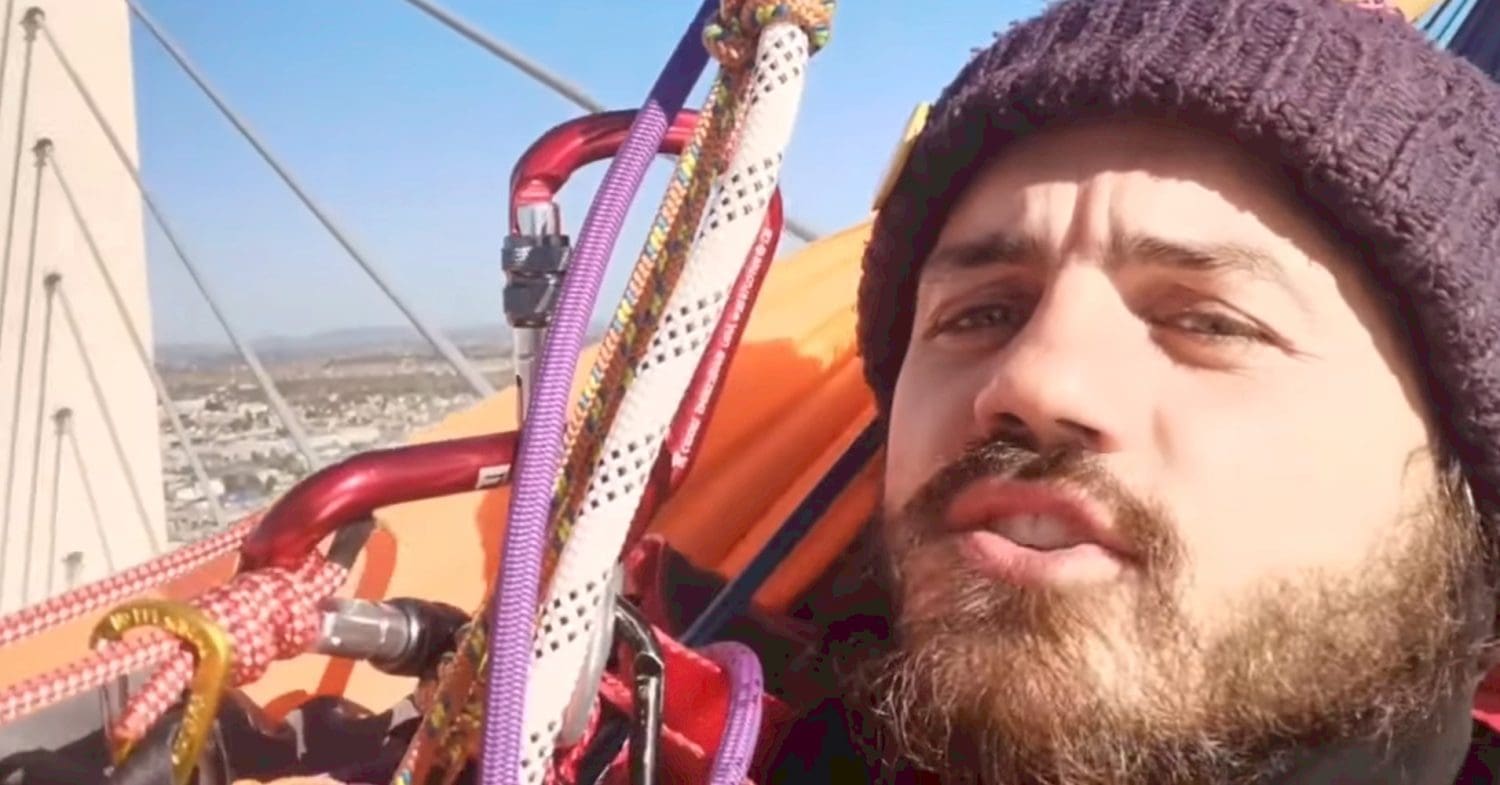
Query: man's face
(1158, 492)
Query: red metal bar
(352, 490)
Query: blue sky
(407, 134)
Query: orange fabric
(793, 400)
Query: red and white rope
(122, 586)
(660, 382)
(268, 614)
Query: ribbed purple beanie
(1395, 144)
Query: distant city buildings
(346, 407)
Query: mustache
(1144, 526)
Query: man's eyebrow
(1002, 249)
(997, 248)
(1205, 257)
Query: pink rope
(89, 673)
(268, 614)
(123, 585)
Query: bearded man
(1183, 319)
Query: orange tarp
(793, 400)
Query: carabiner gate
(214, 655)
(649, 668)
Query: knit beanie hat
(1394, 143)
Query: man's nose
(1072, 377)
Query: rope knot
(732, 33)
(269, 615)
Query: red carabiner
(547, 164)
(544, 169)
(350, 491)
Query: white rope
(693, 310)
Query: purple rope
(742, 728)
(540, 452)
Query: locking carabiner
(214, 655)
(649, 667)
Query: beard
(980, 681)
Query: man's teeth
(1041, 532)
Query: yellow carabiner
(214, 654)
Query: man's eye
(982, 317)
(1211, 326)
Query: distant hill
(330, 343)
(340, 343)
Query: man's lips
(1067, 516)
(1035, 534)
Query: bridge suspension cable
(556, 83)
(109, 420)
(526, 65)
(195, 463)
(57, 453)
(50, 287)
(29, 23)
(10, 12)
(466, 370)
(14, 422)
(65, 431)
(268, 387)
